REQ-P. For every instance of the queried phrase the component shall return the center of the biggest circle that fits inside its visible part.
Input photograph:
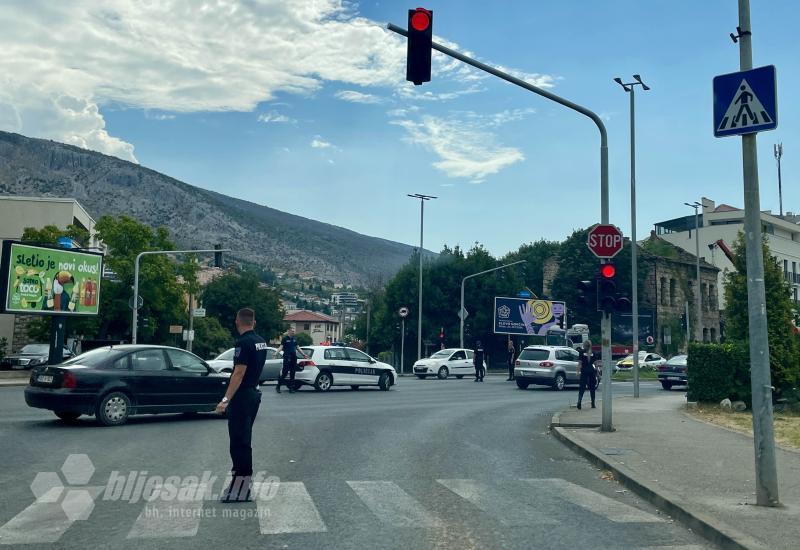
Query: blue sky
(302, 106)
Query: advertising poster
(526, 316)
(54, 281)
(622, 327)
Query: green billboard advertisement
(48, 280)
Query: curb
(713, 530)
(555, 422)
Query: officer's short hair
(246, 316)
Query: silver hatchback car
(554, 366)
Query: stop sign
(605, 241)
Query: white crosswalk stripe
(393, 506)
(613, 510)
(166, 516)
(495, 502)
(290, 510)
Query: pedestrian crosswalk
(291, 508)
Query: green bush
(718, 371)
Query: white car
(646, 361)
(224, 361)
(328, 366)
(451, 361)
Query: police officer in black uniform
(588, 372)
(241, 402)
(290, 350)
(477, 361)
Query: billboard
(47, 280)
(527, 316)
(622, 327)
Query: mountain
(196, 218)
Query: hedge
(718, 371)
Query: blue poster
(527, 316)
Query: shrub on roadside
(718, 371)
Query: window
(534, 354)
(705, 335)
(355, 355)
(471, 354)
(713, 335)
(672, 292)
(335, 354)
(226, 356)
(306, 326)
(663, 291)
(185, 361)
(148, 360)
(703, 290)
(459, 355)
(121, 364)
(270, 354)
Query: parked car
(452, 361)
(646, 361)
(554, 366)
(31, 355)
(328, 366)
(673, 372)
(114, 382)
(224, 361)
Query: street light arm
(464, 280)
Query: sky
(303, 106)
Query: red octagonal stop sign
(605, 241)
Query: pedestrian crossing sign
(745, 102)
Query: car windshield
(95, 357)
(442, 354)
(534, 354)
(36, 349)
(677, 360)
(225, 355)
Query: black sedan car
(115, 382)
(673, 372)
(31, 355)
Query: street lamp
(629, 88)
(422, 198)
(698, 323)
(462, 313)
(778, 149)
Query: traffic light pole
(606, 322)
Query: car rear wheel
(385, 381)
(323, 382)
(666, 385)
(67, 416)
(113, 409)
(443, 372)
(559, 382)
(522, 384)
(459, 376)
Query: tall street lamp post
(698, 324)
(629, 88)
(422, 198)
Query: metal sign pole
(402, 346)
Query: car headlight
(24, 361)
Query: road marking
(392, 505)
(611, 509)
(496, 502)
(165, 515)
(43, 521)
(290, 510)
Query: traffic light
(586, 290)
(217, 256)
(420, 38)
(607, 289)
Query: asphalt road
(429, 464)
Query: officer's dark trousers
(242, 411)
(479, 372)
(289, 368)
(511, 369)
(588, 378)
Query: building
(17, 213)
(319, 326)
(720, 227)
(345, 299)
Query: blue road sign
(745, 102)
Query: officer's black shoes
(237, 491)
(292, 390)
(278, 388)
(593, 406)
(477, 379)
(579, 405)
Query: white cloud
(274, 116)
(319, 143)
(357, 97)
(465, 149)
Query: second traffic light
(420, 39)
(608, 300)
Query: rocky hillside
(196, 217)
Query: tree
(49, 234)
(784, 345)
(226, 295)
(211, 338)
(303, 339)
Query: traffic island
(14, 378)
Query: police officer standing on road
(511, 356)
(477, 360)
(241, 402)
(588, 372)
(290, 349)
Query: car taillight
(69, 380)
(546, 364)
(308, 363)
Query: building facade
(319, 326)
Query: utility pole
(778, 147)
(368, 319)
(464, 280)
(698, 323)
(629, 87)
(760, 377)
(422, 198)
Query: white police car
(447, 362)
(328, 366)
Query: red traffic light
(421, 20)
(608, 271)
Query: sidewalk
(700, 474)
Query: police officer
(290, 349)
(477, 361)
(241, 402)
(588, 372)
(510, 357)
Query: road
(429, 464)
